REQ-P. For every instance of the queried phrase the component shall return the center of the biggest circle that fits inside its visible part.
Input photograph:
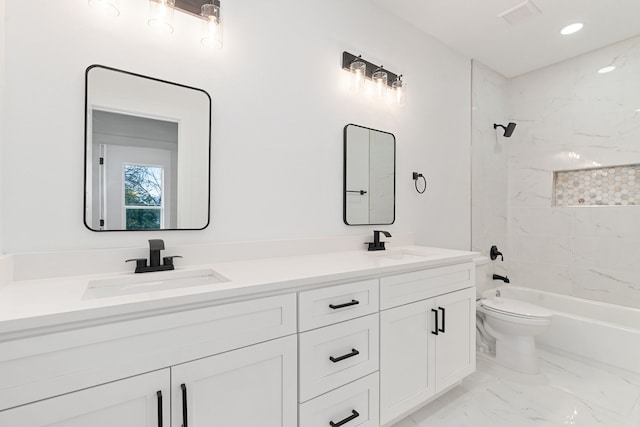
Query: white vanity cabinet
(140, 401)
(252, 386)
(359, 348)
(237, 360)
(428, 345)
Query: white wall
(590, 252)
(279, 107)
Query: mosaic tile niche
(606, 186)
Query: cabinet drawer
(418, 285)
(334, 304)
(357, 401)
(334, 355)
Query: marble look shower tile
(607, 285)
(489, 157)
(608, 223)
(489, 230)
(570, 117)
(615, 254)
(546, 277)
(541, 249)
(533, 188)
(540, 221)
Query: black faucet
(505, 279)
(377, 245)
(155, 246)
(495, 253)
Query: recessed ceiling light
(573, 28)
(608, 69)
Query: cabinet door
(252, 386)
(132, 402)
(455, 347)
(407, 352)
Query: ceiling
(473, 28)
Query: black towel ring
(416, 177)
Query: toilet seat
(515, 308)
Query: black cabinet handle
(354, 352)
(184, 405)
(348, 304)
(159, 394)
(435, 312)
(353, 416)
(443, 315)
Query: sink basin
(401, 255)
(151, 282)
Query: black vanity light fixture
(160, 16)
(385, 84)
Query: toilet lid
(514, 307)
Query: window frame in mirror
(346, 191)
(88, 140)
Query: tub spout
(505, 279)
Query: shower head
(508, 130)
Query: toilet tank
(482, 275)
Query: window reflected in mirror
(147, 153)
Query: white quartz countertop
(58, 303)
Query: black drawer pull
(354, 415)
(435, 312)
(159, 394)
(354, 352)
(184, 405)
(443, 314)
(348, 304)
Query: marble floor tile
(567, 392)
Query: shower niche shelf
(601, 186)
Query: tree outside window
(143, 187)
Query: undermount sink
(401, 255)
(151, 282)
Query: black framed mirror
(369, 191)
(147, 153)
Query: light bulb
(161, 15)
(358, 71)
(380, 80)
(211, 26)
(400, 91)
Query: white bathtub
(606, 333)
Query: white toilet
(507, 326)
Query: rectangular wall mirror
(369, 176)
(147, 153)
